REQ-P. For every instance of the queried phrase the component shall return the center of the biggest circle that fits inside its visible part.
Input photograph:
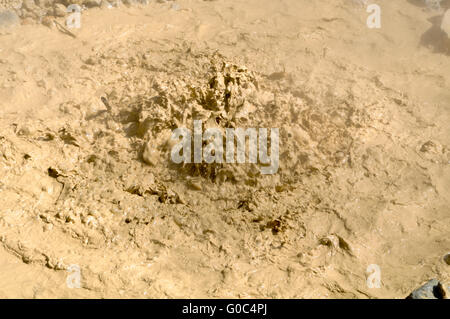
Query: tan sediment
(86, 176)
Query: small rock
(29, 5)
(196, 184)
(23, 131)
(59, 10)
(47, 21)
(431, 147)
(90, 61)
(8, 19)
(433, 289)
(330, 241)
(447, 259)
(32, 10)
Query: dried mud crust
(102, 180)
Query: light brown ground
(364, 153)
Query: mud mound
(87, 177)
(108, 181)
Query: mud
(86, 176)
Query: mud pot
(92, 205)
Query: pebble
(8, 18)
(47, 21)
(447, 259)
(59, 10)
(196, 184)
(29, 5)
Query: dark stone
(432, 289)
